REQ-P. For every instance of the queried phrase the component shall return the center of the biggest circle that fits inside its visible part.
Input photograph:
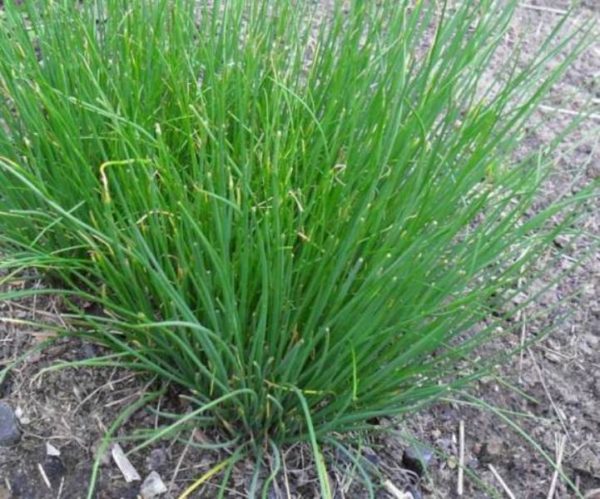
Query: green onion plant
(304, 217)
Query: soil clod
(416, 458)
(157, 459)
(491, 451)
(54, 469)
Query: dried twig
(541, 8)
(60, 488)
(109, 384)
(395, 492)
(560, 451)
(44, 476)
(461, 457)
(559, 414)
(501, 482)
(522, 346)
(180, 461)
(522, 318)
(570, 112)
(286, 481)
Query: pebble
(152, 486)
(51, 450)
(9, 426)
(416, 458)
(20, 415)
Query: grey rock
(9, 426)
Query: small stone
(9, 426)
(20, 415)
(51, 450)
(152, 486)
(416, 458)
(561, 241)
